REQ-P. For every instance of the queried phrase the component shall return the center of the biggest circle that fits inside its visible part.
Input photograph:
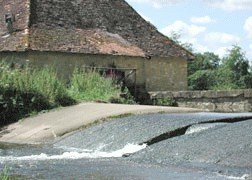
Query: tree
(208, 71)
(201, 80)
(175, 36)
(235, 70)
(205, 61)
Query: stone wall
(164, 74)
(20, 10)
(155, 74)
(218, 101)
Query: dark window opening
(9, 19)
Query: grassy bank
(4, 174)
(25, 91)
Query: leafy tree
(205, 61)
(202, 80)
(176, 36)
(235, 69)
(208, 71)
(223, 79)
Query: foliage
(209, 72)
(15, 104)
(235, 68)
(124, 98)
(205, 61)
(25, 91)
(42, 81)
(168, 101)
(4, 175)
(176, 36)
(224, 80)
(89, 85)
(201, 80)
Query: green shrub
(201, 80)
(124, 98)
(90, 86)
(4, 174)
(224, 80)
(42, 81)
(25, 90)
(16, 104)
(168, 101)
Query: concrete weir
(182, 145)
(195, 127)
(50, 126)
(217, 142)
(145, 129)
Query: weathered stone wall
(218, 101)
(164, 74)
(21, 11)
(154, 74)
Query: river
(155, 146)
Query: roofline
(189, 53)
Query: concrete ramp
(49, 126)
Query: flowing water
(142, 147)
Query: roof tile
(83, 26)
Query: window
(9, 19)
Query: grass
(25, 91)
(89, 86)
(4, 174)
(121, 116)
(165, 102)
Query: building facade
(85, 33)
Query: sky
(209, 25)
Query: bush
(224, 80)
(4, 174)
(168, 101)
(209, 72)
(16, 104)
(42, 81)
(201, 80)
(124, 98)
(89, 86)
(25, 90)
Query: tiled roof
(83, 26)
(93, 41)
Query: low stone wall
(218, 101)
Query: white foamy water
(196, 130)
(128, 149)
(243, 177)
(202, 127)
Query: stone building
(97, 33)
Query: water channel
(154, 146)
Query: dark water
(212, 150)
(102, 169)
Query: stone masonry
(96, 33)
(218, 101)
